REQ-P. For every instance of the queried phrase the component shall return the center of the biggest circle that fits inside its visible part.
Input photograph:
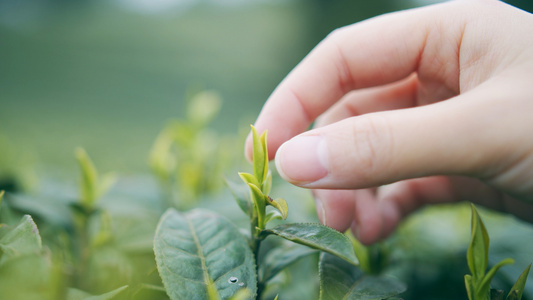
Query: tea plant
(202, 255)
(478, 283)
(188, 158)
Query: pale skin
(423, 106)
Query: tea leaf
(316, 236)
(478, 250)
(469, 287)
(281, 257)
(484, 287)
(200, 248)
(249, 178)
(259, 154)
(281, 205)
(273, 215)
(265, 156)
(75, 294)
(518, 288)
(22, 240)
(204, 107)
(339, 280)
(241, 193)
(267, 184)
(89, 179)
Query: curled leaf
(281, 205)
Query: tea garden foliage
(198, 229)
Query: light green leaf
(200, 248)
(469, 287)
(1, 196)
(316, 236)
(204, 107)
(484, 287)
(478, 250)
(28, 277)
(259, 200)
(242, 294)
(89, 179)
(75, 294)
(281, 257)
(339, 280)
(249, 178)
(258, 156)
(22, 240)
(518, 288)
(241, 193)
(267, 184)
(281, 205)
(362, 253)
(265, 156)
(273, 215)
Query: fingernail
(303, 159)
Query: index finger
(370, 53)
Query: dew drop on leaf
(233, 279)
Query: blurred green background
(107, 74)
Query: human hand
(385, 142)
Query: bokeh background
(108, 74)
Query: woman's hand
(421, 106)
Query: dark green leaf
(316, 236)
(339, 280)
(198, 249)
(241, 193)
(518, 288)
(281, 257)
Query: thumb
(445, 138)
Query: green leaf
(259, 200)
(89, 179)
(241, 193)
(518, 288)
(200, 248)
(75, 294)
(469, 287)
(281, 257)
(249, 178)
(265, 156)
(28, 277)
(281, 205)
(204, 107)
(362, 253)
(267, 184)
(316, 236)
(273, 215)
(339, 280)
(259, 156)
(484, 287)
(22, 240)
(1, 196)
(478, 250)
